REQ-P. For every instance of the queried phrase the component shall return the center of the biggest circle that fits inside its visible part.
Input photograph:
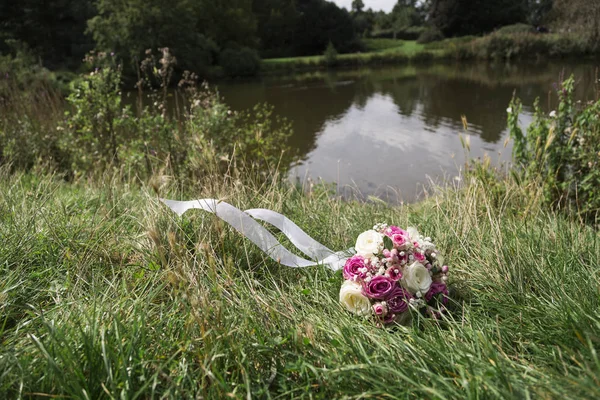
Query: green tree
(53, 29)
(319, 23)
(539, 10)
(276, 26)
(469, 17)
(403, 15)
(229, 23)
(357, 6)
(129, 27)
(579, 15)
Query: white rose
(415, 236)
(369, 243)
(413, 233)
(416, 278)
(352, 298)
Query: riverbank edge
(496, 47)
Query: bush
(524, 45)
(560, 151)
(430, 35)
(21, 68)
(217, 138)
(240, 62)
(330, 55)
(94, 125)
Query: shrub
(94, 124)
(240, 62)
(218, 139)
(430, 35)
(21, 67)
(330, 55)
(524, 45)
(30, 105)
(561, 151)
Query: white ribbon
(257, 234)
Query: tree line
(236, 33)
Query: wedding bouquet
(394, 269)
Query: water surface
(388, 132)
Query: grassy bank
(105, 294)
(496, 46)
(378, 52)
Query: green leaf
(387, 243)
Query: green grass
(379, 51)
(376, 45)
(495, 46)
(104, 293)
(406, 47)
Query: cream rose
(352, 298)
(416, 278)
(415, 236)
(369, 243)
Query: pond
(389, 132)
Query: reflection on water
(386, 132)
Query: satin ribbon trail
(243, 222)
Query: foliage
(128, 28)
(330, 55)
(464, 17)
(319, 23)
(431, 35)
(198, 31)
(357, 6)
(52, 29)
(499, 46)
(28, 127)
(100, 134)
(20, 67)
(228, 23)
(580, 16)
(561, 151)
(240, 62)
(540, 12)
(94, 126)
(222, 141)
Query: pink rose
(394, 230)
(380, 309)
(353, 269)
(378, 288)
(399, 240)
(419, 257)
(394, 273)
